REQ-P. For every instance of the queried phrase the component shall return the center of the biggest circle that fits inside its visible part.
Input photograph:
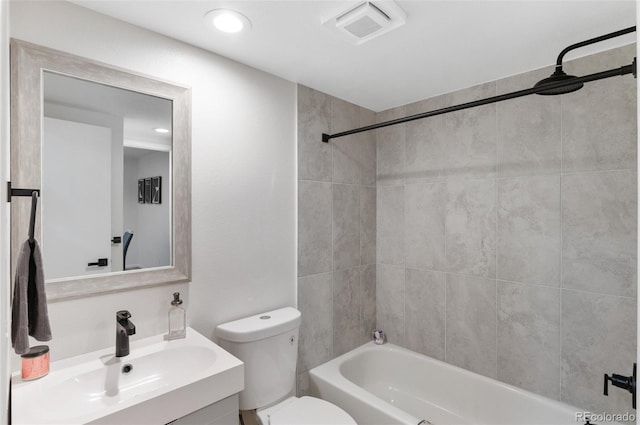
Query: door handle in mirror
(102, 262)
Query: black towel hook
(32, 222)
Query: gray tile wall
(336, 230)
(506, 234)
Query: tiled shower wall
(506, 234)
(336, 230)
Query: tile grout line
(513, 282)
(333, 326)
(496, 200)
(561, 277)
(376, 134)
(404, 226)
(446, 267)
(360, 194)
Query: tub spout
(378, 337)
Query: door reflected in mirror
(99, 143)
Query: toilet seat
(304, 411)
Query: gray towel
(29, 313)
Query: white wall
(149, 222)
(243, 188)
(116, 125)
(4, 210)
(130, 205)
(76, 212)
(153, 230)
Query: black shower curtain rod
(539, 89)
(623, 70)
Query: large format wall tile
(424, 224)
(471, 324)
(368, 225)
(529, 337)
(426, 143)
(390, 217)
(529, 229)
(314, 228)
(390, 302)
(302, 384)
(599, 232)
(471, 135)
(541, 196)
(314, 157)
(599, 336)
(520, 178)
(347, 151)
(471, 227)
(346, 226)
(599, 129)
(391, 149)
(528, 128)
(315, 302)
(347, 310)
(336, 230)
(425, 312)
(368, 282)
(368, 154)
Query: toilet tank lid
(260, 326)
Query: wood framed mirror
(80, 130)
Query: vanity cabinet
(224, 412)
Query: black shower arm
(592, 41)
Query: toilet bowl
(304, 410)
(267, 343)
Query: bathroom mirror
(105, 153)
(110, 151)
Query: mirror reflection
(106, 178)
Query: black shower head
(556, 77)
(559, 75)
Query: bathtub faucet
(378, 337)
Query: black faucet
(124, 328)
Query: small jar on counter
(35, 363)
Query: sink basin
(160, 381)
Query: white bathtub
(387, 384)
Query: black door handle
(102, 262)
(625, 382)
(116, 239)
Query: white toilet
(268, 345)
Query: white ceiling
(444, 46)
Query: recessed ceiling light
(161, 130)
(228, 21)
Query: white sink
(168, 380)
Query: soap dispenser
(177, 318)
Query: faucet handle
(123, 315)
(625, 382)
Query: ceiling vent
(366, 21)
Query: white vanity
(191, 380)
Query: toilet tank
(267, 343)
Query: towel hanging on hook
(32, 221)
(29, 313)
